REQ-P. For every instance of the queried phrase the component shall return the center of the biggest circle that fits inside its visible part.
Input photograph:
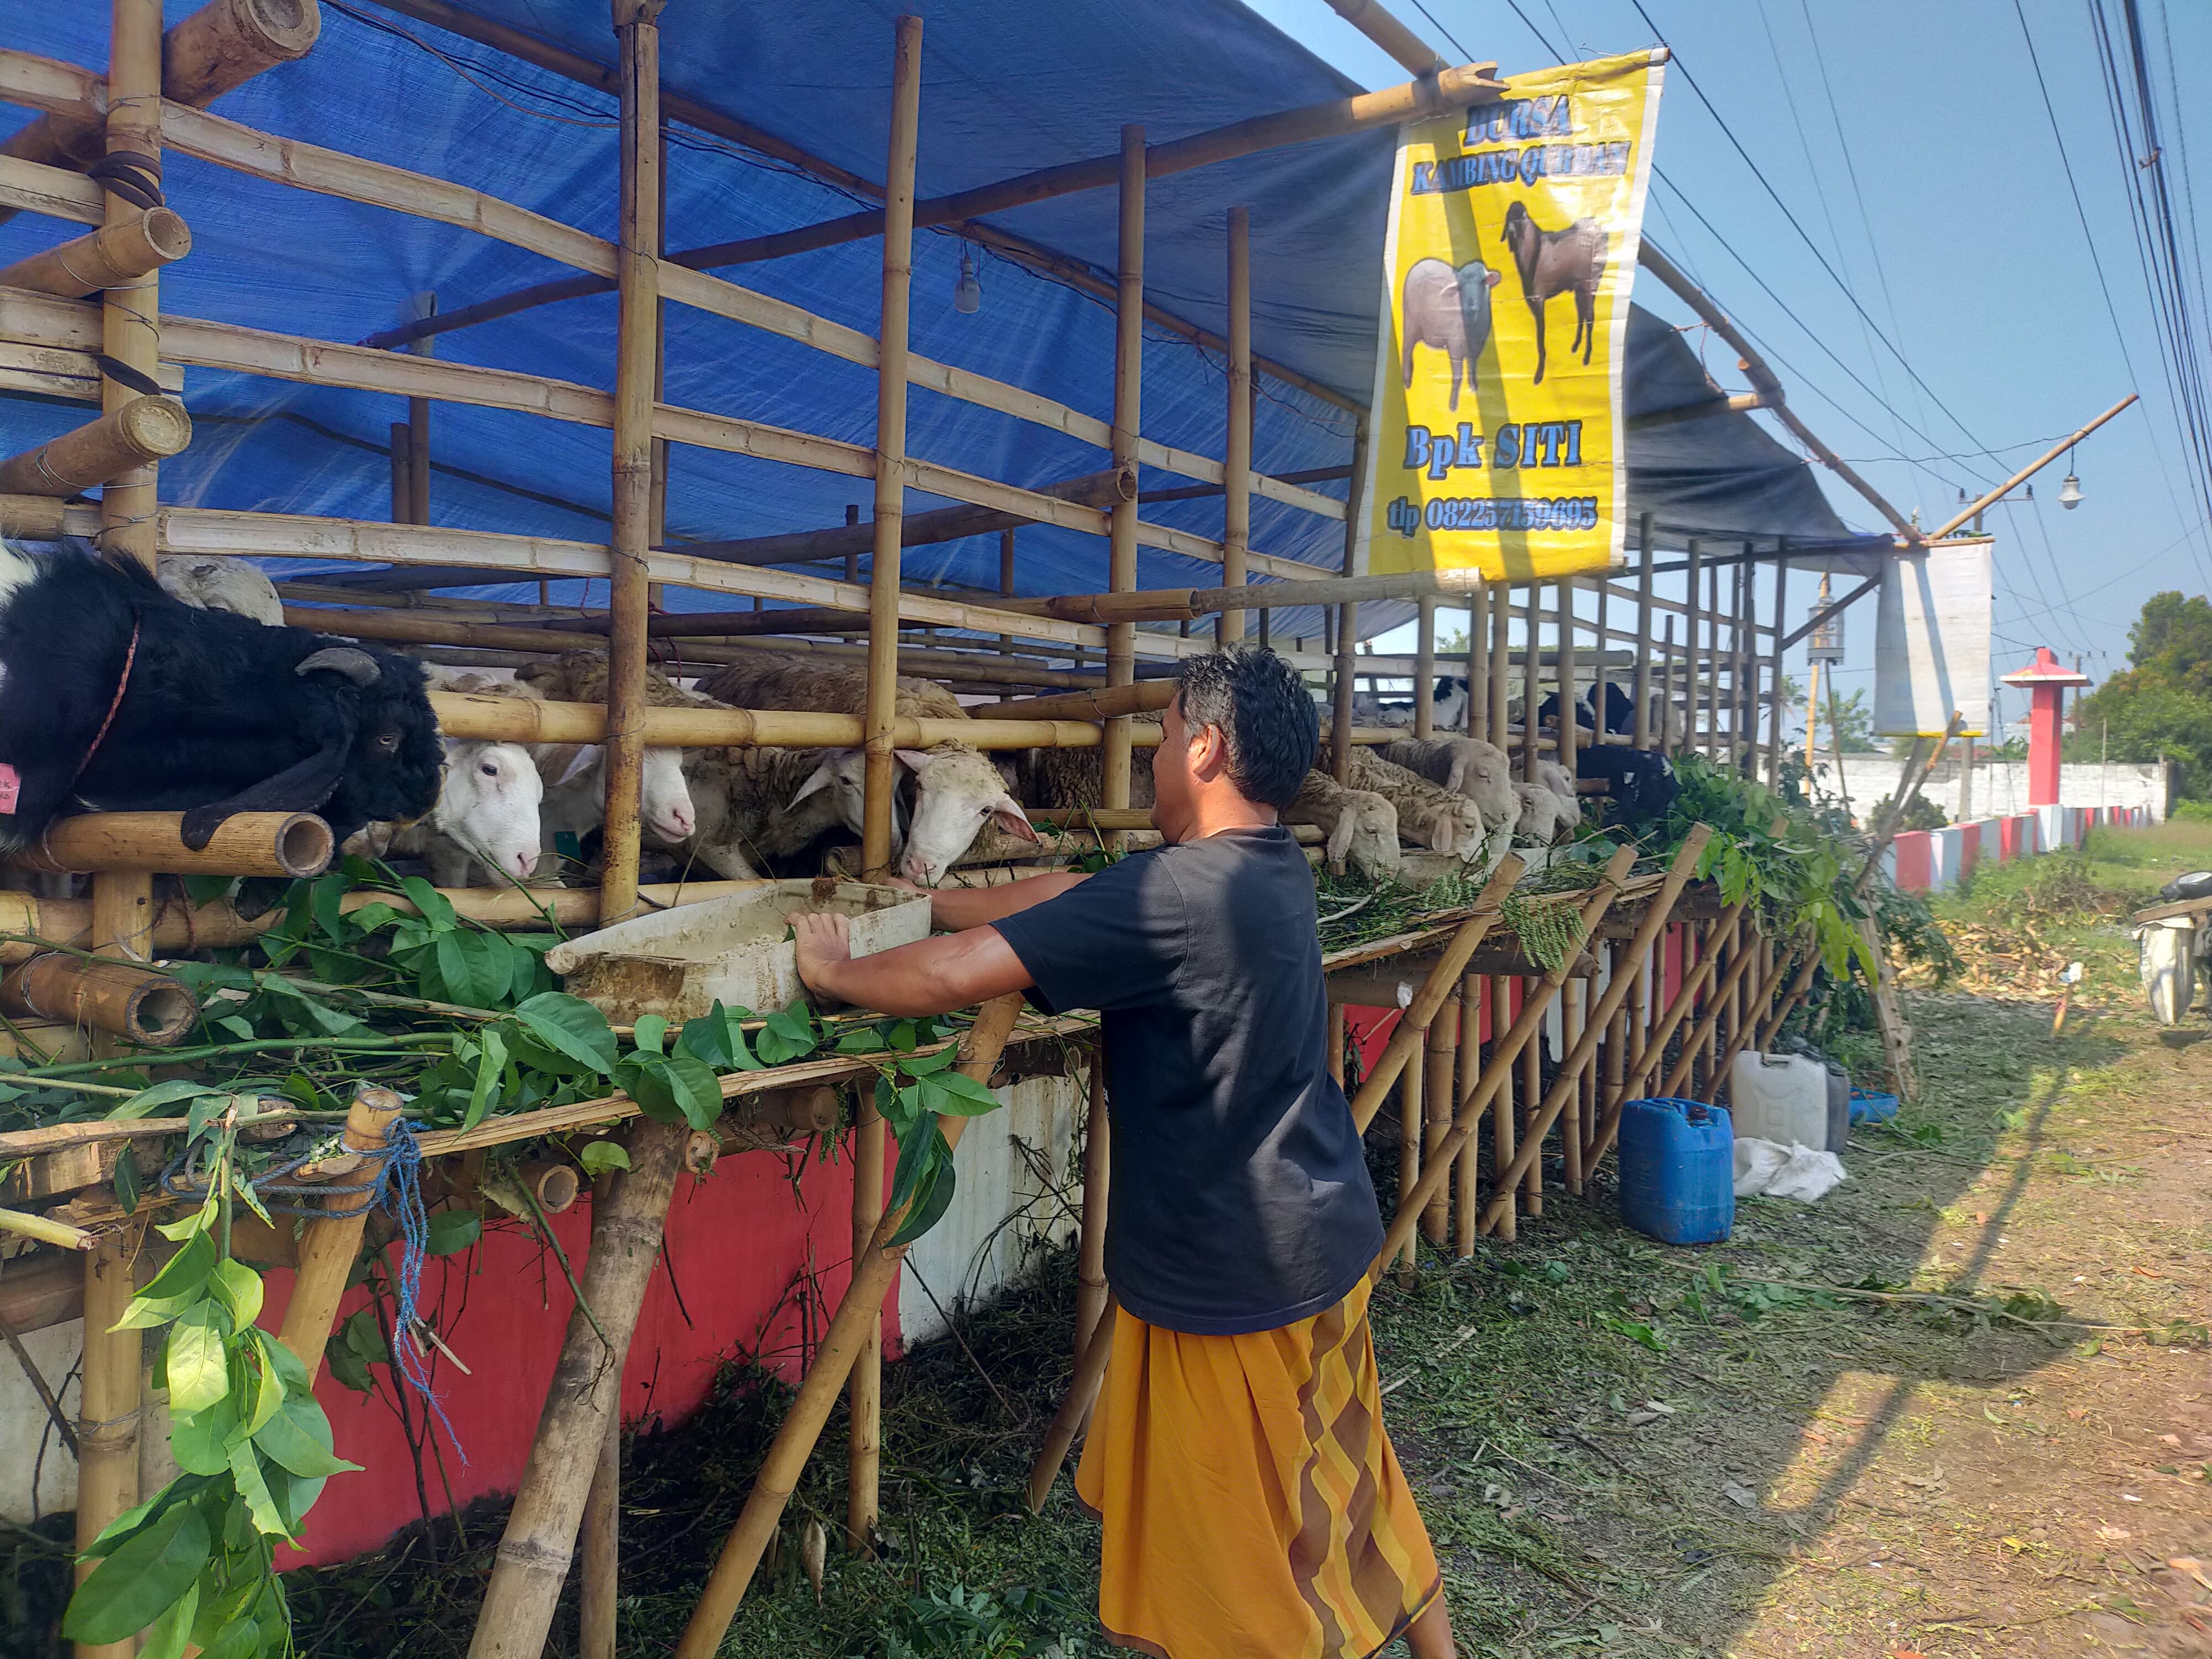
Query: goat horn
(354, 664)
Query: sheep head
(957, 792)
(1365, 836)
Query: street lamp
(2069, 489)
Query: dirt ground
(1961, 1408)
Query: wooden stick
(1501, 625)
(109, 257)
(1348, 619)
(1466, 1168)
(1139, 697)
(1074, 1408)
(1410, 1129)
(1774, 688)
(1425, 668)
(518, 720)
(131, 436)
(1237, 465)
(1531, 654)
(1477, 660)
(1128, 409)
(1092, 1294)
(1702, 1034)
(123, 999)
(328, 1247)
(1767, 981)
(1571, 727)
(1798, 987)
(802, 1423)
(1443, 980)
(46, 1230)
(1668, 743)
(598, 1597)
(1693, 736)
(1496, 1075)
(244, 844)
(535, 1552)
(1576, 1015)
(1643, 692)
(864, 1425)
(1532, 1090)
(1441, 1102)
(107, 1413)
(1336, 1042)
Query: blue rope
(399, 1189)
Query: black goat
(1620, 712)
(1640, 783)
(116, 697)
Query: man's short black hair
(1264, 711)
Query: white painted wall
(23, 1421)
(1020, 1182)
(1999, 787)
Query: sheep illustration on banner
(1932, 640)
(1497, 448)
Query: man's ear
(1007, 814)
(1212, 747)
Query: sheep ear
(1007, 814)
(1339, 837)
(912, 759)
(817, 781)
(1440, 836)
(355, 664)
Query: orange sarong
(1254, 1509)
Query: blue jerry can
(1677, 1171)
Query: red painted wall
(752, 1257)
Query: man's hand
(823, 941)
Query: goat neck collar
(114, 703)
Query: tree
(2159, 707)
(1853, 724)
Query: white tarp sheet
(1932, 640)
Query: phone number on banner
(1494, 512)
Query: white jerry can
(2168, 967)
(1779, 1097)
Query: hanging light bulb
(968, 293)
(2069, 487)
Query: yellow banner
(1495, 441)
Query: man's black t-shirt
(1240, 1200)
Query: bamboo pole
(1237, 462)
(1410, 1129)
(1743, 670)
(244, 844)
(1477, 660)
(1667, 725)
(1774, 671)
(1574, 1015)
(1508, 1050)
(1128, 411)
(123, 998)
(1531, 653)
(1501, 663)
(1502, 1121)
(114, 254)
(1466, 1167)
(1643, 692)
(1074, 1408)
(1441, 1100)
(328, 1247)
(864, 1424)
(1692, 651)
(1782, 1011)
(1348, 617)
(1571, 727)
(108, 1406)
(1738, 962)
(802, 1423)
(535, 1551)
(137, 431)
(1139, 697)
(1442, 981)
(1532, 1090)
(1425, 668)
(1600, 730)
(1090, 1288)
(598, 1618)
(1767, 980)
(637, 356)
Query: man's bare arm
(955, 909)
(931, 976)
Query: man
(1253, 1506)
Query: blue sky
(1912, 145)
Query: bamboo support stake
(1237, 463)
(1411, 1128)
(1791, 998)
(328, 1247)
(114, 254)
(1348, 617)
(1702, 1037)
(1496, 1074)
(1501, 663)
(536, 1551)
(1442, 981)
(1575, 1013)
(1336, 1042)
(1006, 589)
(244, 844)
(1643, 692)
(139, 431)
(1530, 652)
(1128, 412)
(1692, 659)
(1442, 1101)
(1091, 1290)
(1502, 1121)
(1466, 1167)
(1571, 726)
(1532, 1090)
(1425, 668)
(1477, 660)
(1074, 1409)
(1668, 743)
(1712, 663)
(1599, 730)
(402, 470)
(1774, 672)
(802, 1423)
(864, 1438)
(123, 998)
(1743, 667)
(107, 1413)
(601, 1545)
(637, 355)
(1767, 980)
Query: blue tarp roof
(1007, 87)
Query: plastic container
(1840, 1109)
(2168, 967)
(1869, 1108)
(1677, 1171)
(679, 963)
(1780, 1097)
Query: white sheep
(575, 775)
(1467, 766)
(1443, 820)
(1362, 827)
(1543, 814)
(487, 816)
(210, 581)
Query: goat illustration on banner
(1931, 645)
(1496, 447)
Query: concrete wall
(1999, 787)
(1935, 861)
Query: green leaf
(236, 1026)
(363, 1336)
(644, 1079)
(238, 1287)
(246, 1471)
(930, 1204)
(205, 1110)
(437, 909)
(200, 1441)
(178, 1284)
(491, 967)
(789, 1034)
(142, 1580)
(201, 1221)
(167, 1637)
(651, 1033)
(283, 1364)
(456, 978)
(923, 1065)
(956, 1095)
(126, 1180)
(134, 1521)
(600, 1156)
(197, 1361)
(490, 1063)
(917, 1153)
(573, 1026)
(241, 1637)
(865, 1041)
(905, 1036)
(346, 1367)
(698, 1097)
(451, 1232)
(148, 1102)
(298, 1440)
